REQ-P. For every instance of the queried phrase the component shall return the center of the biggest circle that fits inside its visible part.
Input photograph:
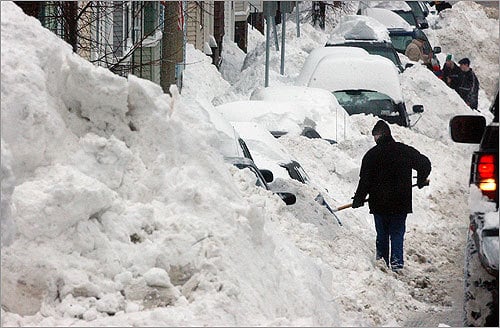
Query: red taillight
(486, 175)
(486, 166)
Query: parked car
(366, 33)
(288, 117)
(326, 119)
(318, 54)
(270, 154)
(364, 85)
(235, 151)
(482, 249)
(410, 11)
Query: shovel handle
(343, 207)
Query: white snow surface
(359, 27)
(118, 208)
(388, 18)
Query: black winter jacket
(386, 176)
(453, 74)
(468, 88)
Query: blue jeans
(390, 228)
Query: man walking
(386, 176)
(468, 84)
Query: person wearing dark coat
(468, 84)
(386, 176)
(451, 73)
(440, 5)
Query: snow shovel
(343, 207)
(321, 200)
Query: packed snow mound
(197, 74)
(467, 20)
(112, 187)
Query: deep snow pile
(127, 215)
(113, 202)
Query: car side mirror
(423, 25)
(418, 108)
(268, 175)
(467, 128)
(436, 50)
(287, 197)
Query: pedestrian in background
(451, 73)
(468, 84)
(415, 50)
(440, 5)
(386, 176)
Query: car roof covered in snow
(358, 73)
(359, 27)
(317, 54)
(388, 18)
(391, 5)
(291, 116)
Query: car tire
(480, 291)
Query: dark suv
(482, 251)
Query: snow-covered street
(118, 208)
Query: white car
(270, 155)
(290, 117)
(363, 85)
(331, 121)
(319, 54)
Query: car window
(296, 172)
(400, 42)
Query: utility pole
(172, 45)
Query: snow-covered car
(328, 120)
(270, 155)
(288, 117)
(482, 249)
(319, 54)
(235, 151)
(364, 85)
(366, 33)
(410, 11)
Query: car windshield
(415, 7)
(384, 52)
(368, 102)
(408, 16)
